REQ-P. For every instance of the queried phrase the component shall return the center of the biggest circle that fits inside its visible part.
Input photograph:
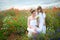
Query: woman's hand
(35, 29)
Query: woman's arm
(28, 22)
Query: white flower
(37, 16)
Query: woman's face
(38, 10)
(34, 13)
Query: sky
(26, 4)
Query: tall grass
(15, 22)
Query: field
(13, 24)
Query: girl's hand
(35, 29)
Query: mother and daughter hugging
(36, 22)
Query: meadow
(13, 24)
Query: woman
(41, 20)
(32, 28)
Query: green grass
(12, 22)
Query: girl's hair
(32, 11)
(40, 8)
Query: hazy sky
(25, 4)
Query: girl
(32, 29)
(41, 20)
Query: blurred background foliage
(13, 24)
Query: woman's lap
(31, 32)
(39, 30)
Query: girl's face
(38, 10)
(34, 13)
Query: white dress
(42, 27)
(33, 24)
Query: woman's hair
(40, 8)
(32, 11)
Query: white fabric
(42, 22)
(33, 23)
(42, 27)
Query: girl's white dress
(33, 24)
(42, 25)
